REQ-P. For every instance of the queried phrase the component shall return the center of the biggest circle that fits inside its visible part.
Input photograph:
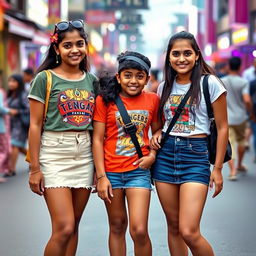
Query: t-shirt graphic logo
(185, 122)
(125, 145)
(76, 106)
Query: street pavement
(228, 221)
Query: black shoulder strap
(130, 127)
(176, 115)
(207, 97)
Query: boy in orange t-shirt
(120, 172)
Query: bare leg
(117, 218)
(13, 158)
(138, 205)
(192, 201)
(80, 199)
(170, 205)
(232, 168)
(23, 151)
(59, 202)
(240, 151)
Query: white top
(249, 74)
(236, 87)
(187, 123)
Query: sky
(157, 26)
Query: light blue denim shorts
(138, 178)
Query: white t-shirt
(249, 74)
(187, 123)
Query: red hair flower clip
(54, 38)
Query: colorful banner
(54, 11)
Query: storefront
(23, 44)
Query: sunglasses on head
(64, 25)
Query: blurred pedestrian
(61, 158)
(28, 75)
(153, 81)
(5, 146)
(239, 104)
(221, 69)
(120, 174)
(249, 74)
(182, 169)
(17, 99)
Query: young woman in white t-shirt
(182, 168)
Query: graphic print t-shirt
(71, 103)
(189, 124)
(119, 150)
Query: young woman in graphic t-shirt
(61, 158)
(121, 175)
(182, 169)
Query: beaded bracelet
(31, 173)
(218, 167)
(101, 176)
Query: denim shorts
(182, 160)
(138, 178)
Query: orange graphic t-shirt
(119, 150)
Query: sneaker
(242, 169)
(232, 177)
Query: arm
(103, 185)
(156, 135)
(35, 129)
(146, 161)
(248, 103)
(3, 109)
(220, 115)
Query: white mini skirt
(66, 159)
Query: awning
(4, 4)
(20, 28)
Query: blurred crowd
(241, 105)
(14, 121)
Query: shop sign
(223, 41)
(240, 35)
(97, 17)
(126, 4)
(130, 19)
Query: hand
(156, 140)
(104, 189)
(146, 161)
(216, 179)
(94, 189)
(13, 112)
(36, 182)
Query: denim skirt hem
(182, 182)
(181, 160)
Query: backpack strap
(48, 91)
(207, 97)
(129, 126)
(176, 115)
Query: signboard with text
(128, 18)
(126, 4)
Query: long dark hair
(109, 86)
(50, 58)
(199, 69)
(20, 88)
